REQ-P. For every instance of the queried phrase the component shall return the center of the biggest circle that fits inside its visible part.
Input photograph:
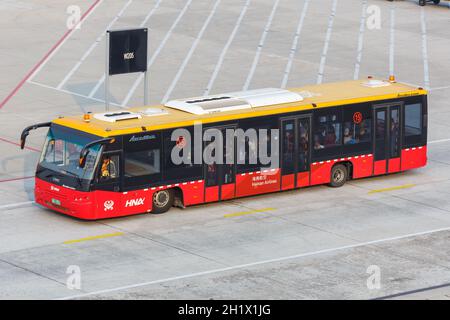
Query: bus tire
(162, 201)
(339, 175)
(437, 1)
(422, 2)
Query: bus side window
(413, 124)
(109, 167)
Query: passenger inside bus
(317, 144)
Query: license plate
(56, 202)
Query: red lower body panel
(252, 183)
(321, 171)
(362, 166)
(288, 182)
(227, 191)
(104, 204)
(302, 179)
(379, 167)
(212, 194)
(394, 165)
(414, 158)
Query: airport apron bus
(119, 163)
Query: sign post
(126, 52)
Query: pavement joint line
(243, 213)
(16, 179)
(225, 48)
(92, 47)
(18, 144)
(102, 78)
(15, 205)
(260, 46)
(426, 69)
(323, 58)
(191, 52)
(411, 292)
(155, 54)
(362, 28)
(295, 46)
(405, 186)
(439, 88)
(101, 236)
(257, 263)
(30, 75)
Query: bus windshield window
(62, 151)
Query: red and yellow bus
(119, 163)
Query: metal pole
(107, 73)
(146, 77)
(146, 88)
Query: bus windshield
(62, 151)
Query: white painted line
(257, 263)
(92, 47)
(15, 205)
(438, 141)
(294, 47)
(72, 93)
(190, 53)
(260, 46)
(155, 54)
(225, 49)
(392, 41)
(75, 28)
(426, 69)
(362, 28)
(439, 88)
(144, 22)
(323, 58)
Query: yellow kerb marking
(243, 213)
(102, 236)
(405, 186)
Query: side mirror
(26, 132)
(83, 157)
(85, 151)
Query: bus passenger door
(220, 178)
(295, 152)
(387, 139)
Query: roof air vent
(117, 116)
(235, 101)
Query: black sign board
(127, 51)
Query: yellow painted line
(102, 236)
(243, 213)
(405, 186)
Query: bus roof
(135, 120)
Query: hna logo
(109, 205)
(128, 56)
(134, 202)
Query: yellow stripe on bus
(102, 236)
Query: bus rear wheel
(162, 201)
(339, 175)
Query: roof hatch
(235, 101)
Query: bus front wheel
(162, 201)
(339, 175)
